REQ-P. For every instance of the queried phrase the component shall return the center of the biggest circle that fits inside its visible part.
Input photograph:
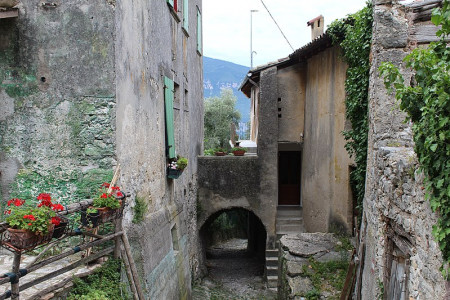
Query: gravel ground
(232, 274)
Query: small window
(174, 233)
(199, 31)
(173, 4)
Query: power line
(277, 25)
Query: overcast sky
(226, 26)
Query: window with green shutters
(186, 15)
(169, 90)
(199, 31)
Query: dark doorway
(289, 168)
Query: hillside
(219, 74)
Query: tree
(220, 112)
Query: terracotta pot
(23, 239)
(239, 153)
(220, 153)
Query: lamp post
(251, 37)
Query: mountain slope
(219, 74)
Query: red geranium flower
(115, 188)
(57, 207)
(104, 196)
(29, 224)
(7, 212)
(105, 184)
(56, 221)
(119, 194)
(44, 196)
(16, 202)
(29, 217)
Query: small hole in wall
(43, 79)
(279, 115)
(279, 99)
(185, 192)
(279, 108)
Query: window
(186, 15)
(169, 91)
(199, 31)
(173, 4)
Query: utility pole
(251, 37)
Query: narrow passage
(233, 273)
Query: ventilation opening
(175, 244)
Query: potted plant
(176, 167)
(220, 151)
(30, 225)
(104, 206)
(238, 151)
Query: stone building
(401, 254)
(85, 85)
(298, 105)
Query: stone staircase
(289, 220)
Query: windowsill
(174, 13)
(185, 31)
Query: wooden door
(289, 169)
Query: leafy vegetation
(325, 275)
(139, 209)
(220, 112)
(354, 35)
(103, 284)
(427, 102)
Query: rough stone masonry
(397, 221)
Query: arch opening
(233, 242)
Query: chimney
(317, 25)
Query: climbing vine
(427, 102)
(354, 35)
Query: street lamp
(251, 38)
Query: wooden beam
(133, 269)
(10, 13)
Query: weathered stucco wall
(395, 209)
(326, 195)
(150, 45)
(57, 99)
(291, 103)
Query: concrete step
(272, 271)
(272, 253)
(272, 281)
(271, 261)
(289, 219)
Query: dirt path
(232, 274)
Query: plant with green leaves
(354, 35)
(220, 113)
(427, 102)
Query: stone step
(272, 253)
(272, 281)
(272, 271)
(295, 228)
(289, 219)
(271, 261)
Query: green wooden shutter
(199, 31)
(186, 15)
(170, 2)
(168, 100)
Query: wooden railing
(121, 249)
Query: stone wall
(57, 99)
(297, 254)
(396, 214)
(151, 44)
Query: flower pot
(23, 239)
(103, 214)
(220, 153)
(90, 219)
(174, 173)
(60, 229)
(239, 153)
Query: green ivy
(427, 102)
(354, 35)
